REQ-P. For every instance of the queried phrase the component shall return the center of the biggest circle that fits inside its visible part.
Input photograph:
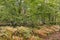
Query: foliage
(30, 12)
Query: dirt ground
(55, 36)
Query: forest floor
(55, 36)
(27, 33)
(50, 33)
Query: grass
(18, 33)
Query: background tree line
(30, 12)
